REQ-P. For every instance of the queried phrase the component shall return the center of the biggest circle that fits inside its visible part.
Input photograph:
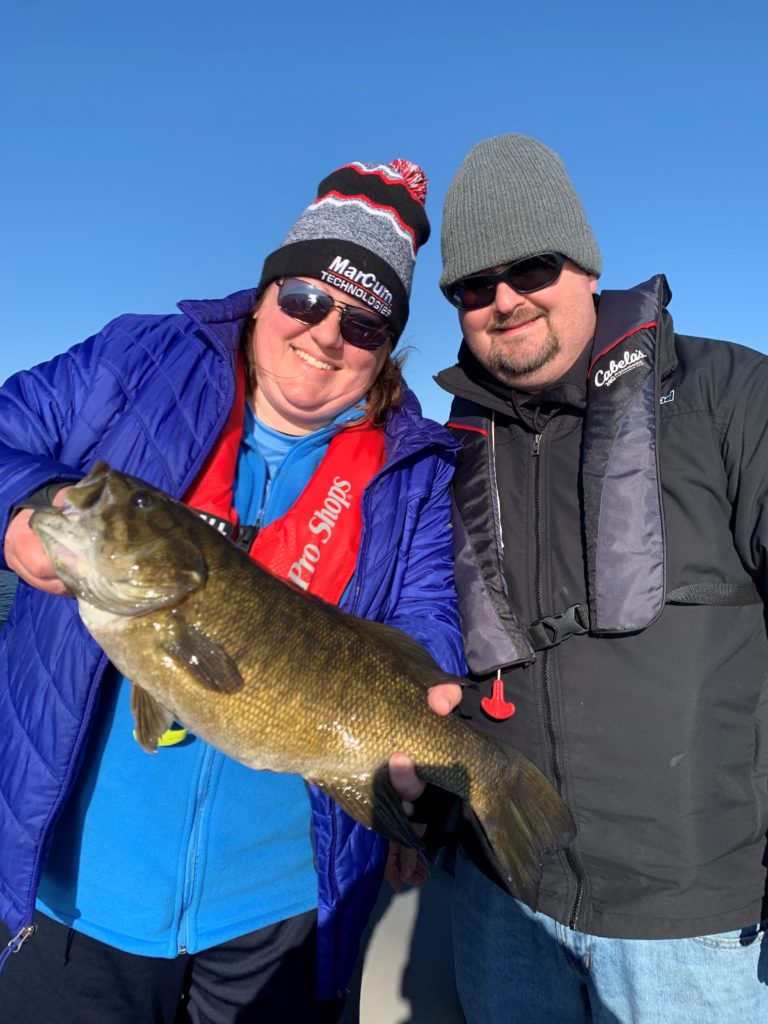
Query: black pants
(267, 977)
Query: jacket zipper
(17, 942)
(207, 447)
(208, 759)
(28, 930)
(554, 756)
(495, 496)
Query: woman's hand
(25, 554)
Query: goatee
(509, 365)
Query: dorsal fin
(408, 650)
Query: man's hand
(442, 698)
(406, 866)
(26, 556)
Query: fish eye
(142, 499)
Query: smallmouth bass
(279, 680)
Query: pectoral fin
(151, 719)
(374, 804)
(202, 657)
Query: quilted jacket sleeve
(426, 604)
(36, 410)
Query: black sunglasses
(311, 305)
(523, 276)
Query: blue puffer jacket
(149, 395)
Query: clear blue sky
(154, 151)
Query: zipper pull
(18, 941)
(536, 444)
(497, 706)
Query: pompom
(415, 179)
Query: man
(612, 500)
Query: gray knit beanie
(512, 198)
(361, 235)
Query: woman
(186, 883)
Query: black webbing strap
(715, 593)
(553, 629)
(241, 536)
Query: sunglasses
(310, 305)
(522, 276)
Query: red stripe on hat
(374, 206)
(398, 178)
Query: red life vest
(315, 544)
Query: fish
(280, 680)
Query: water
(8, 583)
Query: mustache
(516, 319)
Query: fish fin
(389, 817)
(517, 817)
(150, 717)
(202, 657)
(410, 651)
(375, 805)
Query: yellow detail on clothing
(170, 737)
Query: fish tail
(520, 818)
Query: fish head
(121, 545)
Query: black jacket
(644, 471)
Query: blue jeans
(514, 966)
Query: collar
(221, 320)
(407, 432)
(469, 379)
(322, 435)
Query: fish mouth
(108, 561)
(69, 532)
(87, 492)
(59, 537)
(54, 524)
